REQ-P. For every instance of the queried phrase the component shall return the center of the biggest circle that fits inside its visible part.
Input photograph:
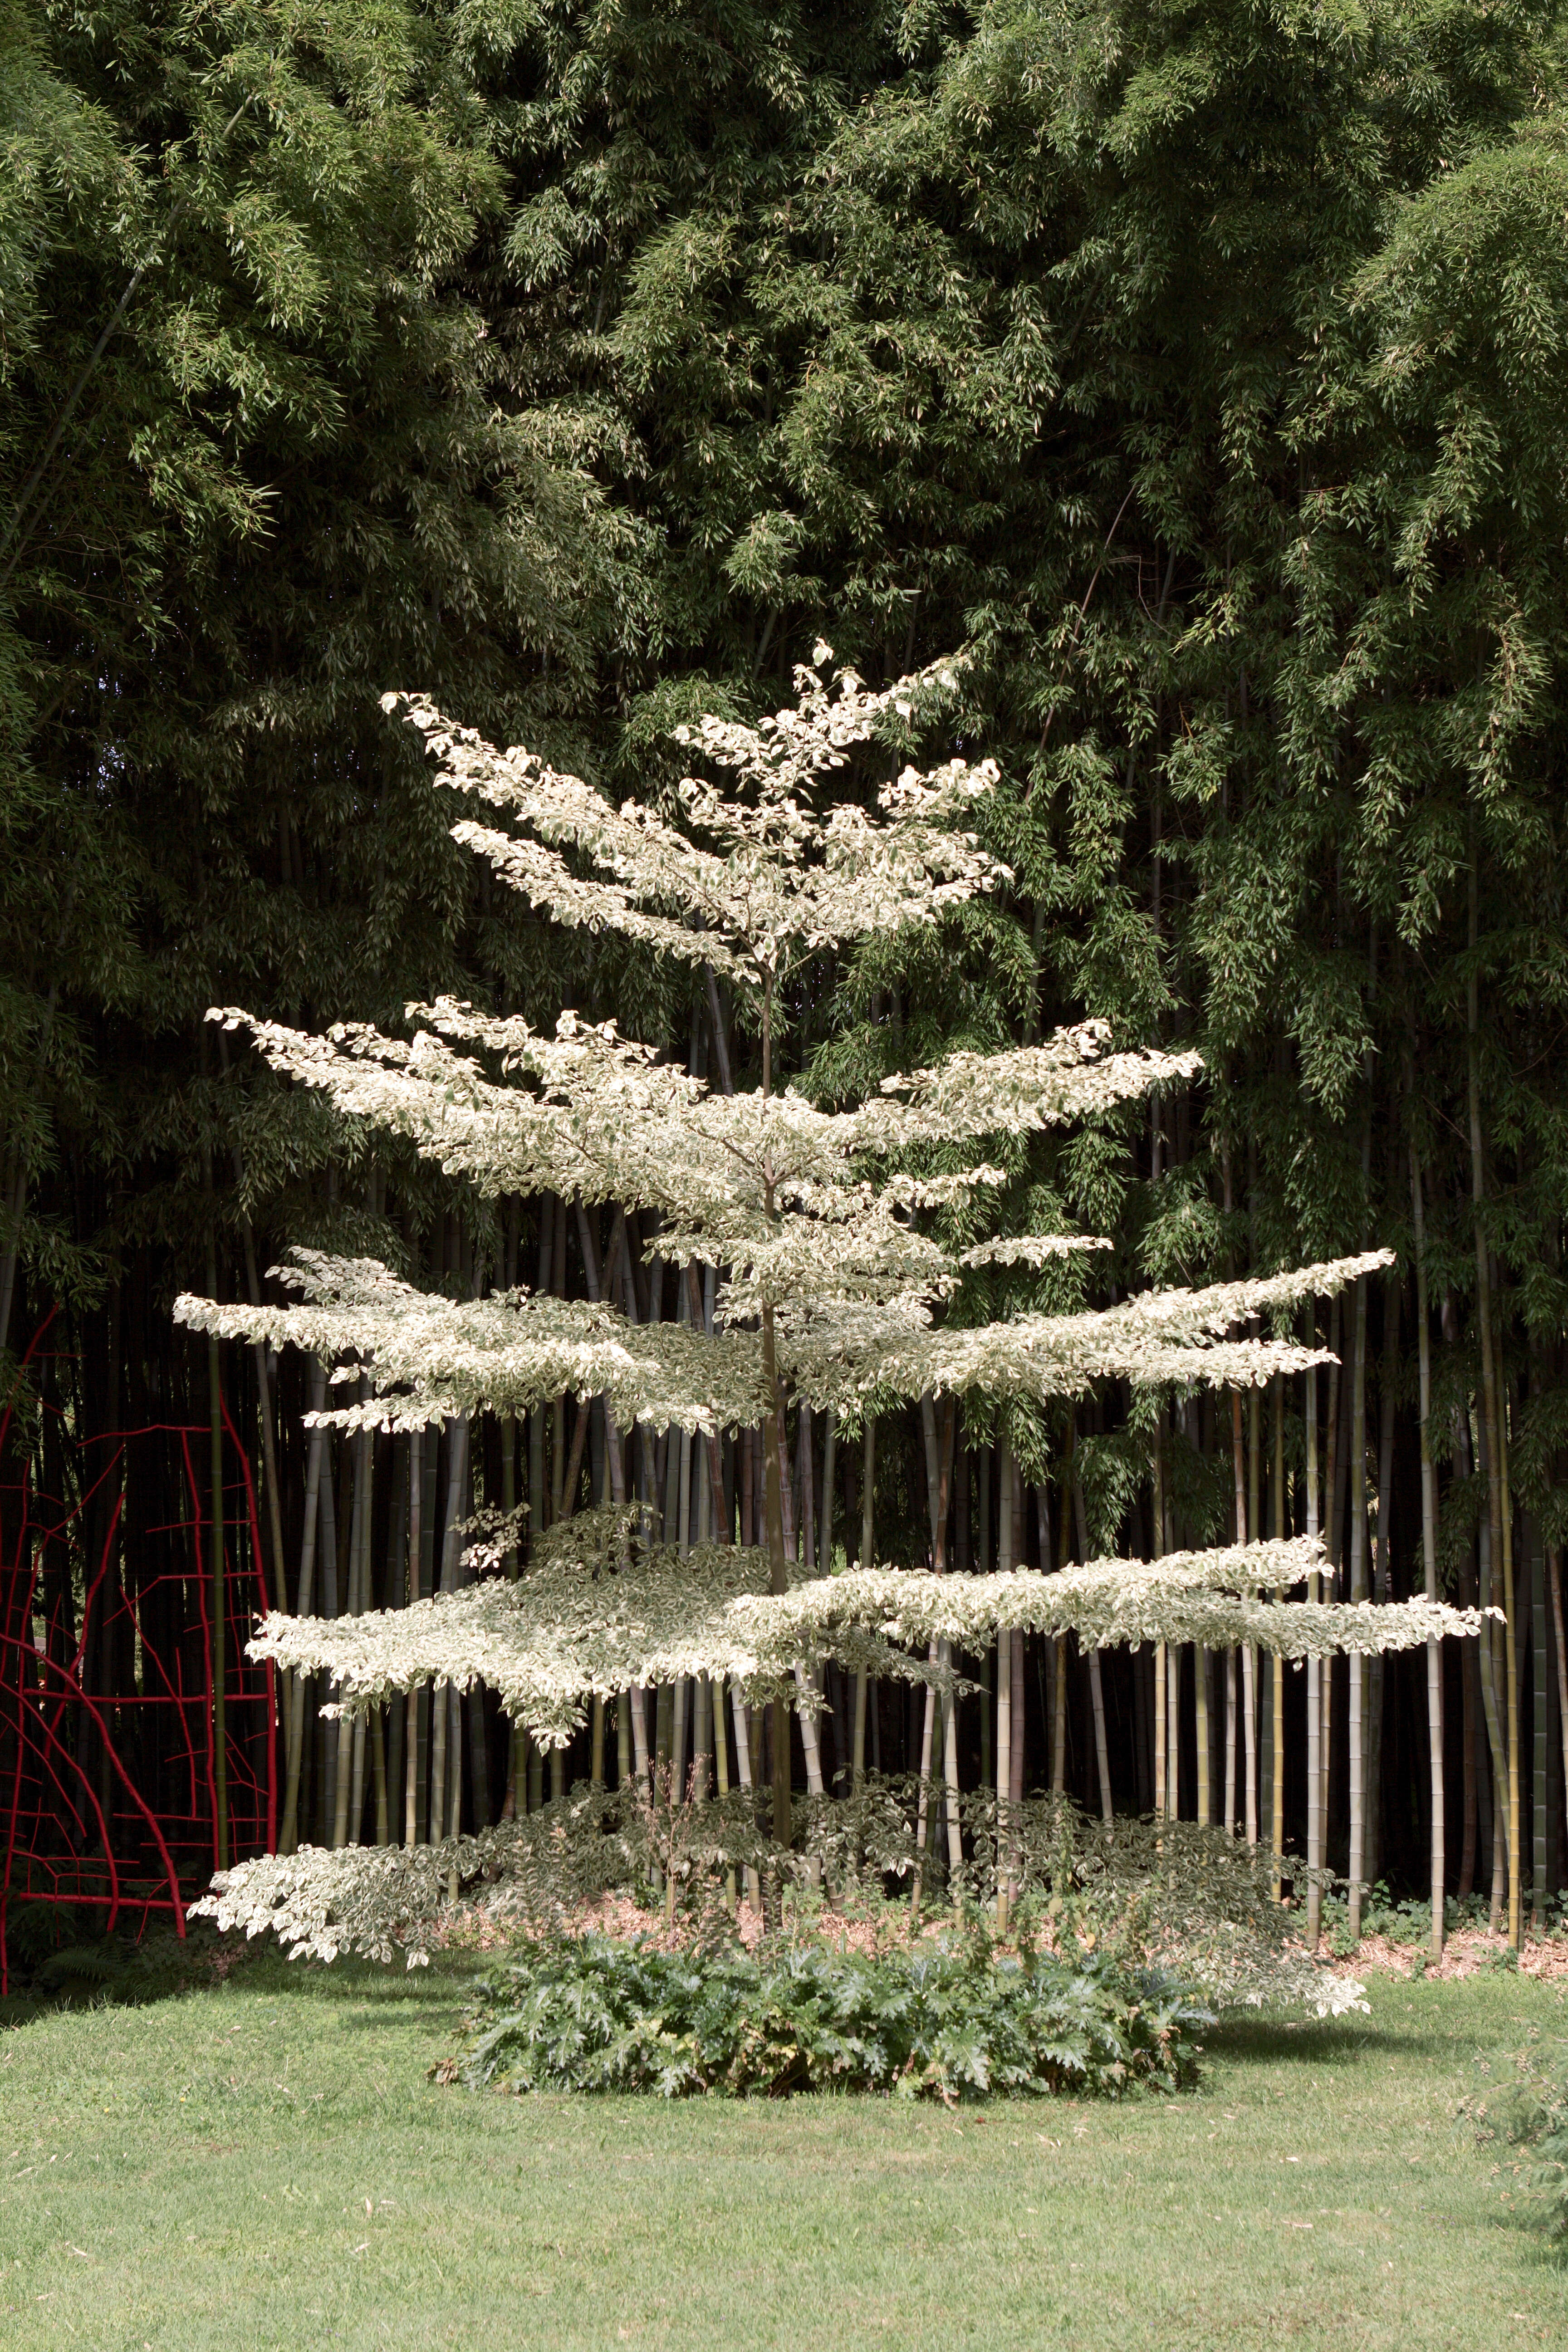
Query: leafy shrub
(1529, 2110)
(1196, 1902)
(587, 2014)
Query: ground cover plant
(266, 2163)
(953, 2022)
(1405, 1921)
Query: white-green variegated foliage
(824, 1228)
(600, 1612)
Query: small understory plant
(953, 2022)
(1409, 1922)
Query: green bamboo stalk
(1554, 1579)
(1231, 1745)
(1006, 1641)
(1376, 1676)
(1504, 1765)
(862, 1690)
(219, 1600)
(940, 1443)
(351, 1782)
(334, 1581)
(288, 1836)
(1201, 1671)
(1249, 1651)
(219, 1592)
(1539, 1725)
(1358, 1592)
(1096, 1681)
(1512, 1660)
(1438, 1859)
(1338, 1406)
(439, 1721)
(722, 1772)
(1277, 1808)
(1059, 1647)
(378, 1776)
(1233, 1730)
(773, 1484)
(928, 1724)
(1162, 1679)
(739, 1716)
(1314, 1674)
(413, 1716)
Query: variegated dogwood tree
(824, 1227)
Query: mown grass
(265, 2164)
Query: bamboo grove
(1194, 371)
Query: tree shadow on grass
(1318, 2042)
(364, 1983)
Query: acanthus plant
(824, 1228)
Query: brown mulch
(1465, 1952)
(491, 1924)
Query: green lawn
(265, 2164)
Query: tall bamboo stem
(867, 1494)
(1239, 1478)
(1202, 1678)
(1314, 1672)
(1505, 1766)
(290, 1836)
(939, 1446)
(1006, 1638)
(219, 1591)
(721, 1769)
(1337, 1409)
(1095, 1680)
(1358, 1592)
(1438, 1855)
(378, 1777)
(1276, 1809)
(413, 1758)
(1538, 1711)
(1229, 1794)
(1059, 1646)
(1511, 1653)
(1555, 1577)
(1250, 1652)
(1161, 1680)
(1234, 1746)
